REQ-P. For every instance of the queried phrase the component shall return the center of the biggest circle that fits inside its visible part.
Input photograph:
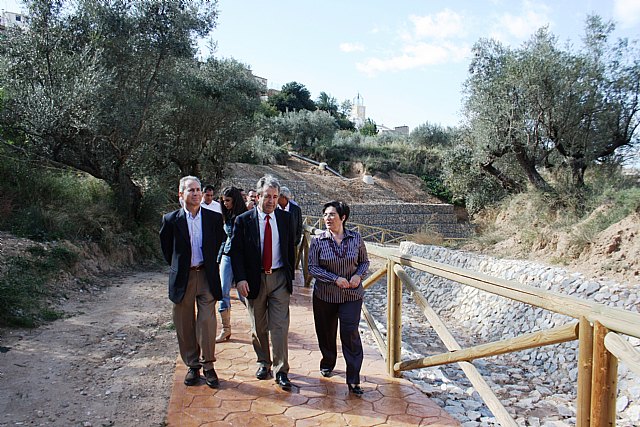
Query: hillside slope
(394, 187)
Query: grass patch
(24, 285)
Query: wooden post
(305, 259)
(585, 363)
(612, 388)
(604, 381)
(390, 318)
(395, 343)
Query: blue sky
(407, 59)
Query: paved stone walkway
(242, 400)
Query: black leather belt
(273, 270)
(197, 267)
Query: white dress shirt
(195, 235)
(213, 206)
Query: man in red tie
(262, 257)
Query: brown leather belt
(273, 270)
(197, 267)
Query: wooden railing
(598, 329)
(369, 233)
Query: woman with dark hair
(232, 205)
(338, 260)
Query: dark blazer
(296, 217)
(176, 248)
(246, 258)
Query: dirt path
(110, 363)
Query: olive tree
(84, 84)
(542, 107)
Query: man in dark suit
(190, 238)
(262, 256)
(286, 204)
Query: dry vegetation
(515, 231)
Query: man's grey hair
(267, 181)
(284, 191)
(183, 182)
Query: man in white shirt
(190, 238)
(208, 202)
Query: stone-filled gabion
(389, 214)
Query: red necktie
(266, 247)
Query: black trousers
(326, 316)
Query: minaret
(358, 115)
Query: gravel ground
(109, 363)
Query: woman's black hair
(239, 206)
(341, 208)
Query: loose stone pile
(537, 386)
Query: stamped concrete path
(243, 400)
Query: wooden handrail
(551, 336)
(614, 319)
(624, 351)
(481, 386)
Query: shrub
(24, 285)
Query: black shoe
(212, 378)
(355, 389)
(263, 373)
(283, 381)
(326, 372)
(193, 376)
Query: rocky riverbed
(538, 386)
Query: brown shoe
(212, 378)
(193, 376)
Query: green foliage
(329, 104)
(435, 186)
(369, 128)
(299, 129)
(223, 95)
(23, 285)
(258, 151)
(468, 184)
(294, 96)
(432, 135)
(47, 204)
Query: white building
(11, 19)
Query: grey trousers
(269, 314)
(196, 329)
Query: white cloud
(442, 25)
(627, 12)
(415, 56)
(426, 40)
(522, 26)
(351, 47)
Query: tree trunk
(528, 165)
(506, 182)
(577, 171)
(129, 196)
